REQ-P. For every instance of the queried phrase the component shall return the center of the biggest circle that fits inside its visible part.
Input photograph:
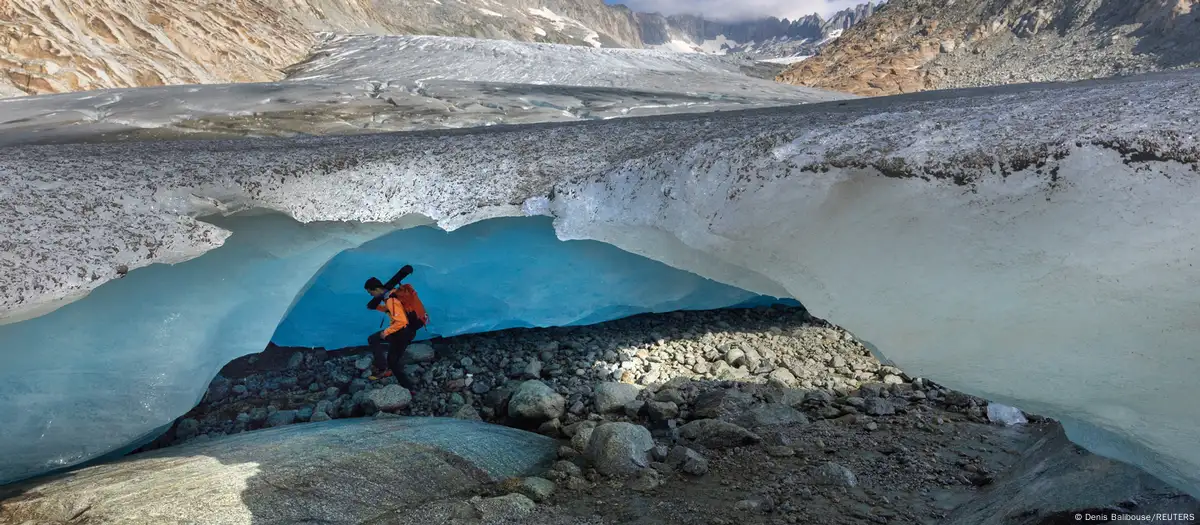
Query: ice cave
(1032, 245)
(162, 332)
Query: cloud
(730, 10)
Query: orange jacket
(399, 304)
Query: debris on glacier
(933, 441)
(371, 83)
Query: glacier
(494, 275)
(355, 84)
(141, 350)
(1034, 245)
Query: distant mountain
(917, 45)
(54, 46)
(767, 38)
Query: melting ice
(108, 370)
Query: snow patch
(718, 46)
(489, 12)
(786, 60)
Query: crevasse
(1034, 245)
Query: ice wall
(136, 353)
(1032, 244)
(492, 275)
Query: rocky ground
(763, 416)
(917, 45)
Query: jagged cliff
(916, 45)
(769, 37)
(53, 46)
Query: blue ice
(493, 275)
(111, 369)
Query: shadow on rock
(346, 471)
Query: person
(406, 314)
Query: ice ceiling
(1035, 245)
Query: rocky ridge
(767, 38)
(917, 45)
(760, 416)
(60, 46)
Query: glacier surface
(365, 84)
(1035, 245)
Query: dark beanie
(373, 283)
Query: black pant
(397, 343)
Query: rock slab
(342, 471)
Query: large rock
(619, 448)
(391, 397)
(722, 404)
(771, 414)
(612, 397)
(1054, 477)
(418, 353)
(535, 400)
(337, 472)
(714, 433)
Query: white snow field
(1035, 245)
(364, 84)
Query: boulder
(715, 434)
(688, 461)
(612, 397)
(418, 353)
(537, 489)
(619, 448)
(771, 414)
(831, 473)
(391, 397)
(878, 406)
(271, 477)
(722, 404)
(537, 401)
(660, 411)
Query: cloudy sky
(740, 9)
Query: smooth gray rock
(537, 489)
(1056, 477)
(418, 353)
(771, 414)
(535, 400)
(714, 433)
(612, 397)
(337, 472)
(831, 473)
(391, 397)
(619, 448)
